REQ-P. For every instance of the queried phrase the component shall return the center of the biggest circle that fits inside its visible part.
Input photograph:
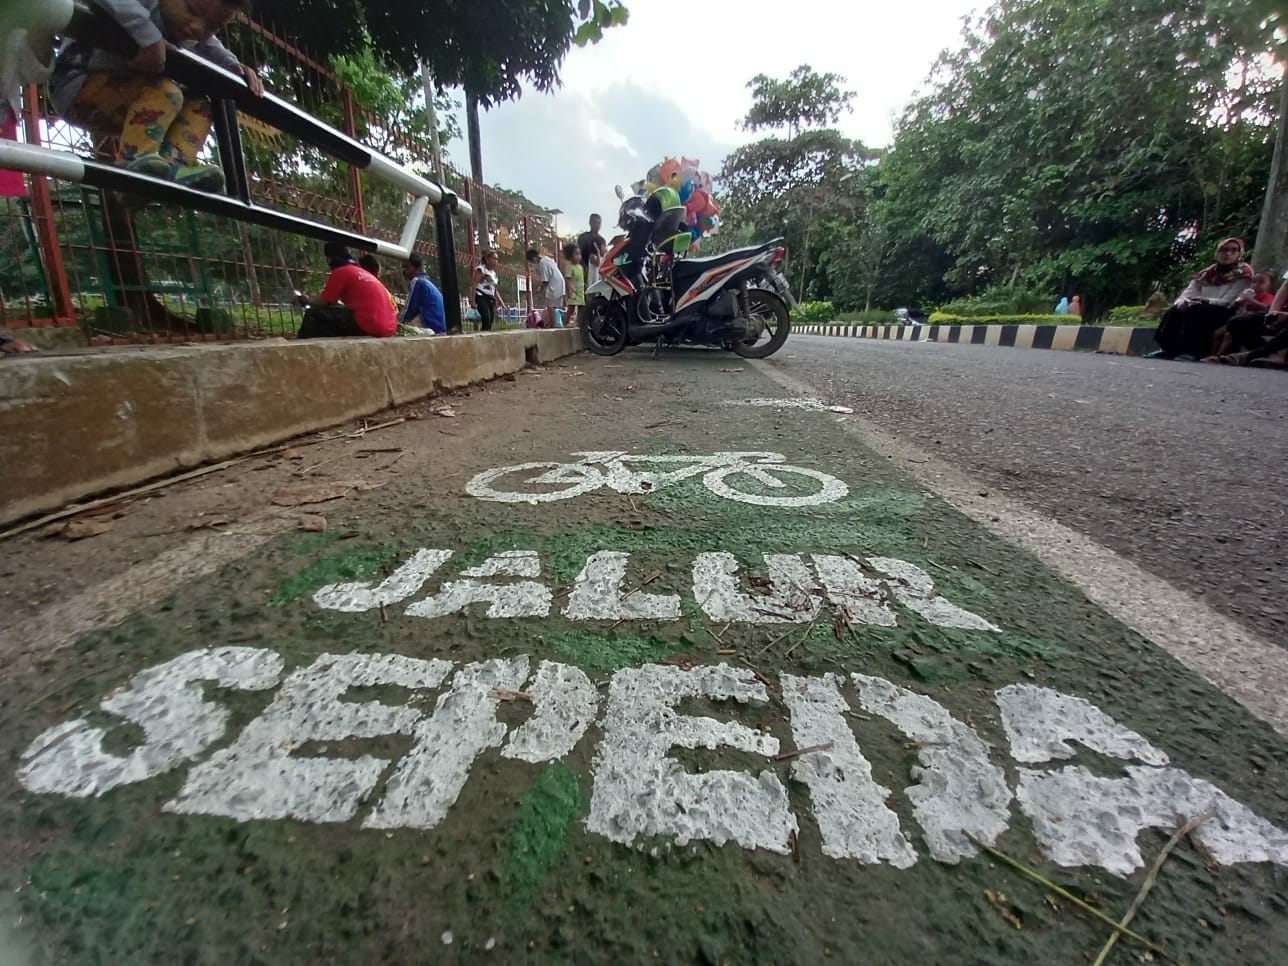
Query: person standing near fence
(424, 300)
(574, 283)
(161, 129)
(485, 292)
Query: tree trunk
(1272, 235)
(478, 199)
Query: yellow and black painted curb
(1118, 339)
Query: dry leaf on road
(315, 493)
(312, 522)
(446, 411)
(83, 527)
(207, 522)
(292, 454)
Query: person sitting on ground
(485, 294)
(161, 129)
(574, 283)
(1246, 329)
(549, 286)
(370, 263)
(367, 308)
(1264, 335)
(1186, 329)
(424, 300)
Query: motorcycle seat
(688, 269)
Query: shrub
(1127, 315)
(871, 317)
(1001, 300)
(945, 318)
(813, 312)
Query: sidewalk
(77, 423)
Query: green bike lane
(714, 720)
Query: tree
(1098, 148)
(806, 98)
(789, 185)
(393, 121)
(488, 47)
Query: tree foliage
(806, 98)
(394, 121)
(800, 185)
(1098, 148)
(489, 47)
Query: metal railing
(200, 266)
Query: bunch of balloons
(693, 186)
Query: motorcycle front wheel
(771, 312)
(604, 330)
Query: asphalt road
(1178, 467)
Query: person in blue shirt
(424, 300)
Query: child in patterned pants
(161, 129)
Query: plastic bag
(472, 315)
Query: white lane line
(1248, 668)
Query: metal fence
(123, 270)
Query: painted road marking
(638, 789)
(1249, 669)
(792, 595)
(611, 470)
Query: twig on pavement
(1061, 892)
(787, 755)
(1151, 879)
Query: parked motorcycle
(649, 289)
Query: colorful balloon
(686, 191)
(670, 171)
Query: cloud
(566, 150)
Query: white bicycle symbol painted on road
(627, 473)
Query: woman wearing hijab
(1186, 329)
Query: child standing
(574, 282)
(161, 128)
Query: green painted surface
(540, 830)
(352, 565)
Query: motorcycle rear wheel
(772, 311)
(604, 331)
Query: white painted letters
(597, 594)
(166, 701)
(258, 778)
(959, 788)
(1080, 818)
(849, 805)
(639, 790)
(429, 779)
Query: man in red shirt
(367, 308)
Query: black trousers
(1189, 331)
(487, 310)
(1248, 330)
(329, 321)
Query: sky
(673, 82)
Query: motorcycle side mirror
(621, 195)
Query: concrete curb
(80, 423)
(1119, 339)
